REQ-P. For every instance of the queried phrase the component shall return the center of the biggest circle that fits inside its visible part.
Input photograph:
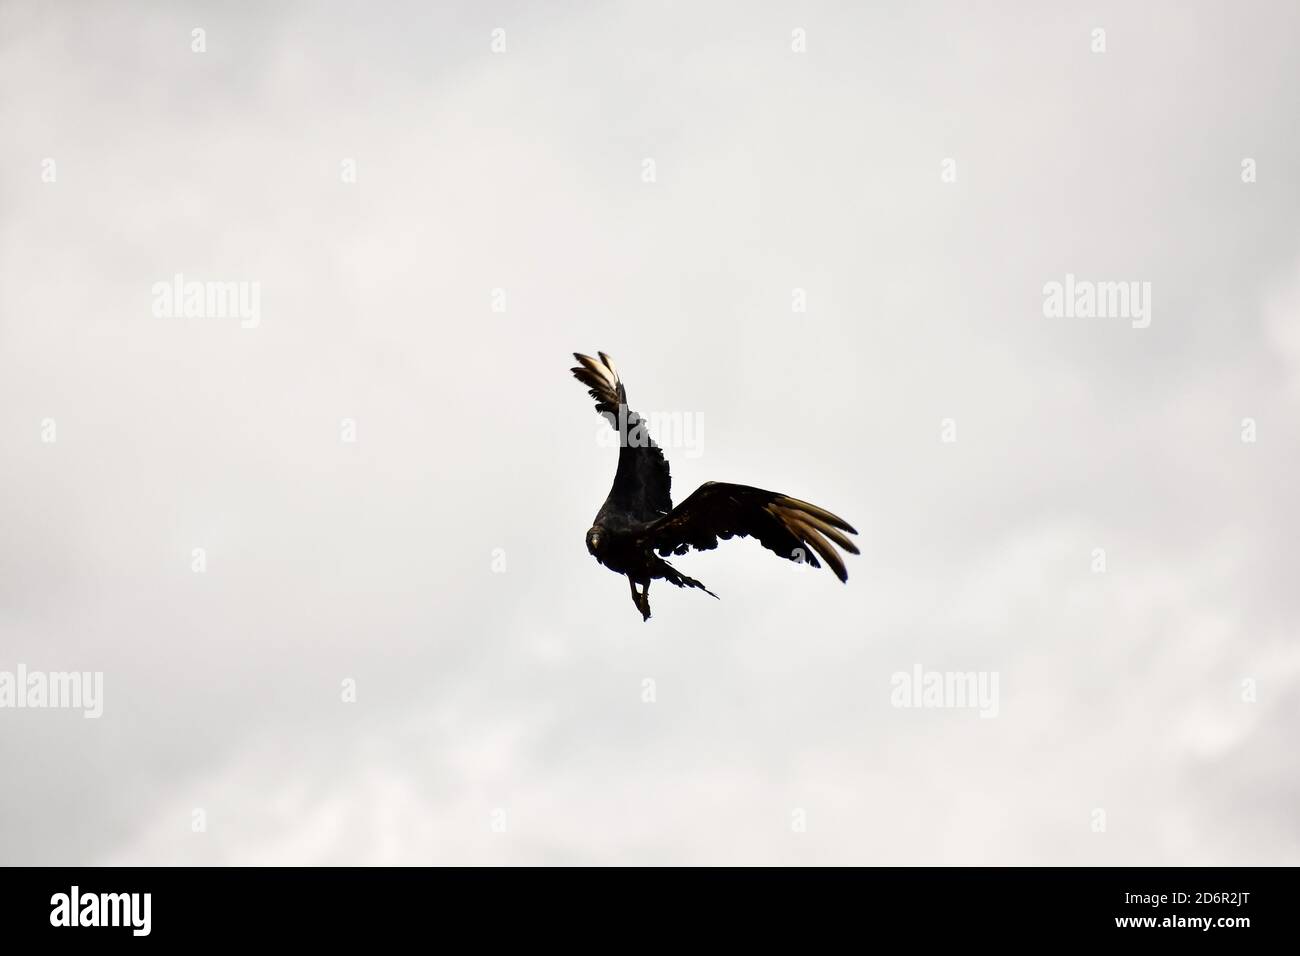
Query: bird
(637, 526)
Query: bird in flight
(638, 518)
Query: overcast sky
(912, 174)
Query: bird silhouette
(637, 526)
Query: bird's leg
(640, 599)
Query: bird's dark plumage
(638, 519)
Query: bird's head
(595, 542)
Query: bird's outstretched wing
(642, 488)
(792, 528)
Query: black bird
(638, 518)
